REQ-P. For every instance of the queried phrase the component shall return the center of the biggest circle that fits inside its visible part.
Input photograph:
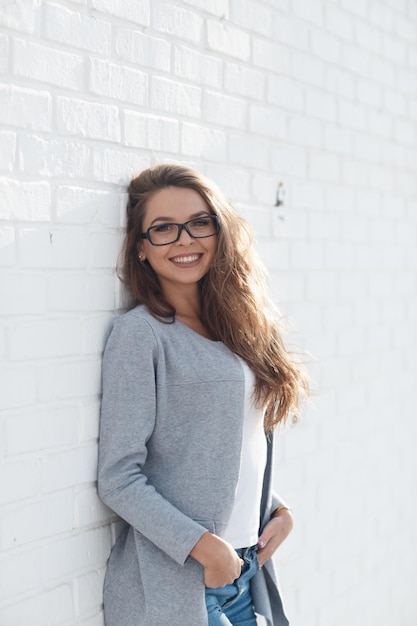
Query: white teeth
(186, 259)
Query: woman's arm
(127, 422)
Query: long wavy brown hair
(235, 308)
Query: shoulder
(136, 329)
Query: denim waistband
(244, 552)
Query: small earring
(140, 257)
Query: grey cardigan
(169, 455)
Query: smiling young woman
(195, 378)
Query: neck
(185, 301)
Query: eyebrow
(169, 219)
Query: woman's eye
(201, 222)
(164, 228)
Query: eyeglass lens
(200, 227)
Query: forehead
(176, 203)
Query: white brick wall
(319, 94)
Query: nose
(185, 237)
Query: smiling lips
(186, 259)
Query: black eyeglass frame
(181, 227)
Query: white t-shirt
(243, 526)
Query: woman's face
(187, 260)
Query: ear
(141, 253)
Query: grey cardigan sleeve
(128, 415)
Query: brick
(76, 291)
(312, 12)
(21, 16)
(338, 140)
(20, 573)
(73, 379)
(79, 553)
(36, 520)
(395, 102)
(368, 37)
(228, 40)
(88, 119)
(177, 21)
(7, 246)
(264, 188)
(369, 93)
(25, 108)
(76, 29)
(4, 53)
(289, 160)
(285, 92)
(271, 56)
(340, 82)
(232, 180)
(304, 131)
(105, 249)
(53, 606)
(276, 256)
(224, 110)
(383, 72)
(353, 115)
(90, 417)
(24, 201)
(251, 15)
(356, 6)
(96, 327)
(137, 11)
(26, 293)
(249, 151)
(69, 468)
(339, 22)
(40, 339)
(356, 60)
(53, 157)
(366, 147)
(267, 121)
(198, 67)
(404, 28)
(117, 82)
(89, 509)
(116, 166)
(381, 124)
(244, 81)
(173, 97)
(292, 31)
(307, 195)
(324, 167)
(80, 205)
(406, 82)
(38, 429)
(57, 249)
(18, 386)
(89, 592)
(382, 16)
(326, 46)
(49, 65)
(307, 249)
(151, 131)
(214, 7)
(321, 104)
(18, 481)
(143, 50)
(308, 69)
(198, 141)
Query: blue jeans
(232, 605)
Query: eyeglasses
(198, 228)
